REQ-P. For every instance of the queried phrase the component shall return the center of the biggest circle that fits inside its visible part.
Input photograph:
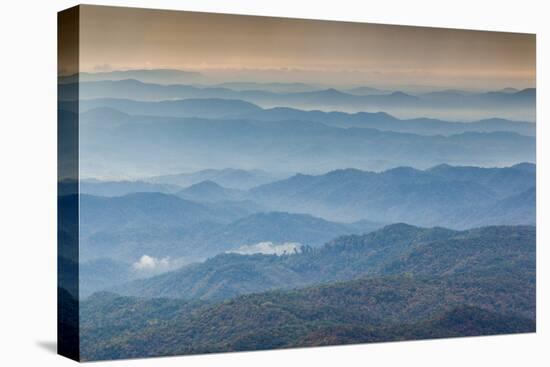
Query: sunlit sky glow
(231, 47)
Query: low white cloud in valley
(152, 264)
(269, 248)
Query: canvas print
(241, 183)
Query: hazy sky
(233, 47)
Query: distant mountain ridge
(230, 178)
(219, 108)
(127, 227)
(522, 102)
(385, 122)
(210, 191)
(161, 76)
(116, 89)
(161, 225)
(457, 197)
(120, 188)
(453, 196)
(284, 146)
(191, 107)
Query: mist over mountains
(229, 108)
(131, 116)
(230, 178)
(231, 215)
(291, 162)
(456, 197)
(458, 106)
(206, 219)
(117, 142)
(126, 227)
(160, 76)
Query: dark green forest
(410, 283)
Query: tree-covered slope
(395, 249)
(364, 310)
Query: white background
(28, 183)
